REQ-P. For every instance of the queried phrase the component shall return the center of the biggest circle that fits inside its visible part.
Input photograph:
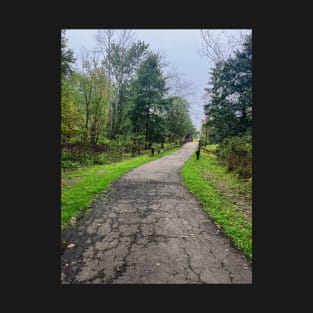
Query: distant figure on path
(198, 150)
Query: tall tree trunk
(87, 102)
(206, 135)
(147, 128)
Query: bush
(99, 158)
(69, 164)
(236, 154)
(75, 155)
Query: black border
(40, 116)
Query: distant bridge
(187, 138)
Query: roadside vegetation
(222, 178)
(120, 108)
(226, 197)
(79, 186)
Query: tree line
(228, 111)
(119, 92)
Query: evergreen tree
(178, 121)
(229, 109)
(67, 57)
(149, 105)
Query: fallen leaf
(73, 219)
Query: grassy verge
(225, 197)
(79, 186)
(210, 148)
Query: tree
(71, 118)
(205, 130)
(178, 120)
(149, 105)
(92, 95)
(125, 61)
(99, 100)
(220, 44)
(121, 58)
(67, 57)
(177, 84)
(229, 109)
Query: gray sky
(180, 48)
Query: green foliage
(149, 106)
(229, 110)
(124, 62)
(91, 88)
(67, 57)
(206, 178)
(79, 186)
(71, 159)
(69, 163)
(236, 154)
(78, 155)
(117, 100)
(71, 118)
(211, 148)
(178, 121)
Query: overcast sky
(180, 48)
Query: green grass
(79, 186)
(216, 189)
(210, 147)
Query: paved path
(151, 230)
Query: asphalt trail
(151, 230)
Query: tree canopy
(119, 91)
(229, 109)
(67, 57)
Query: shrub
(69, 164)
(236, 154)
(75, 155)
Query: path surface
(151, 229)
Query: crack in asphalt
(150, 229)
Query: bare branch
(126, 38)
(104, 39)
(218, 45)
(211, 45)
(179, 86)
